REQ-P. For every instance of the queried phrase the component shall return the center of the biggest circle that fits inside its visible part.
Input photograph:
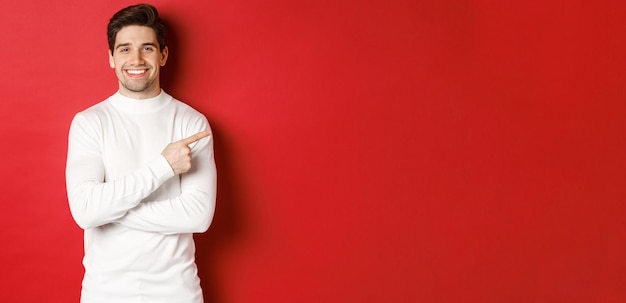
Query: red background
(368, 151)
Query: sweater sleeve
(190, 212)
(94, 201)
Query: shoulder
(186, 111)
(190, 119)
(93, 119)
(95, 111)
(185, 108)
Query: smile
(136, 72)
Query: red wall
(368, 151)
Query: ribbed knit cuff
(161, 169)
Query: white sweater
(139, 218)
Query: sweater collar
(136, 106)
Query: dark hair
(140, 14)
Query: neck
(148, 93)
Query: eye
(124, 49)
(148, 48)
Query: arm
(94, 202)
(191, 211)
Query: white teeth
(136, 71)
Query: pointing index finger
(196, 137)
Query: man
(140, 176)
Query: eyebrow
(128, 44)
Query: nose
(136, 58)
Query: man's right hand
(178, 154)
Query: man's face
(137, 60)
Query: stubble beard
(135, 85)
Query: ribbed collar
(136, 106)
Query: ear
(111, 61)
(164, 54)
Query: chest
(130, 141)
